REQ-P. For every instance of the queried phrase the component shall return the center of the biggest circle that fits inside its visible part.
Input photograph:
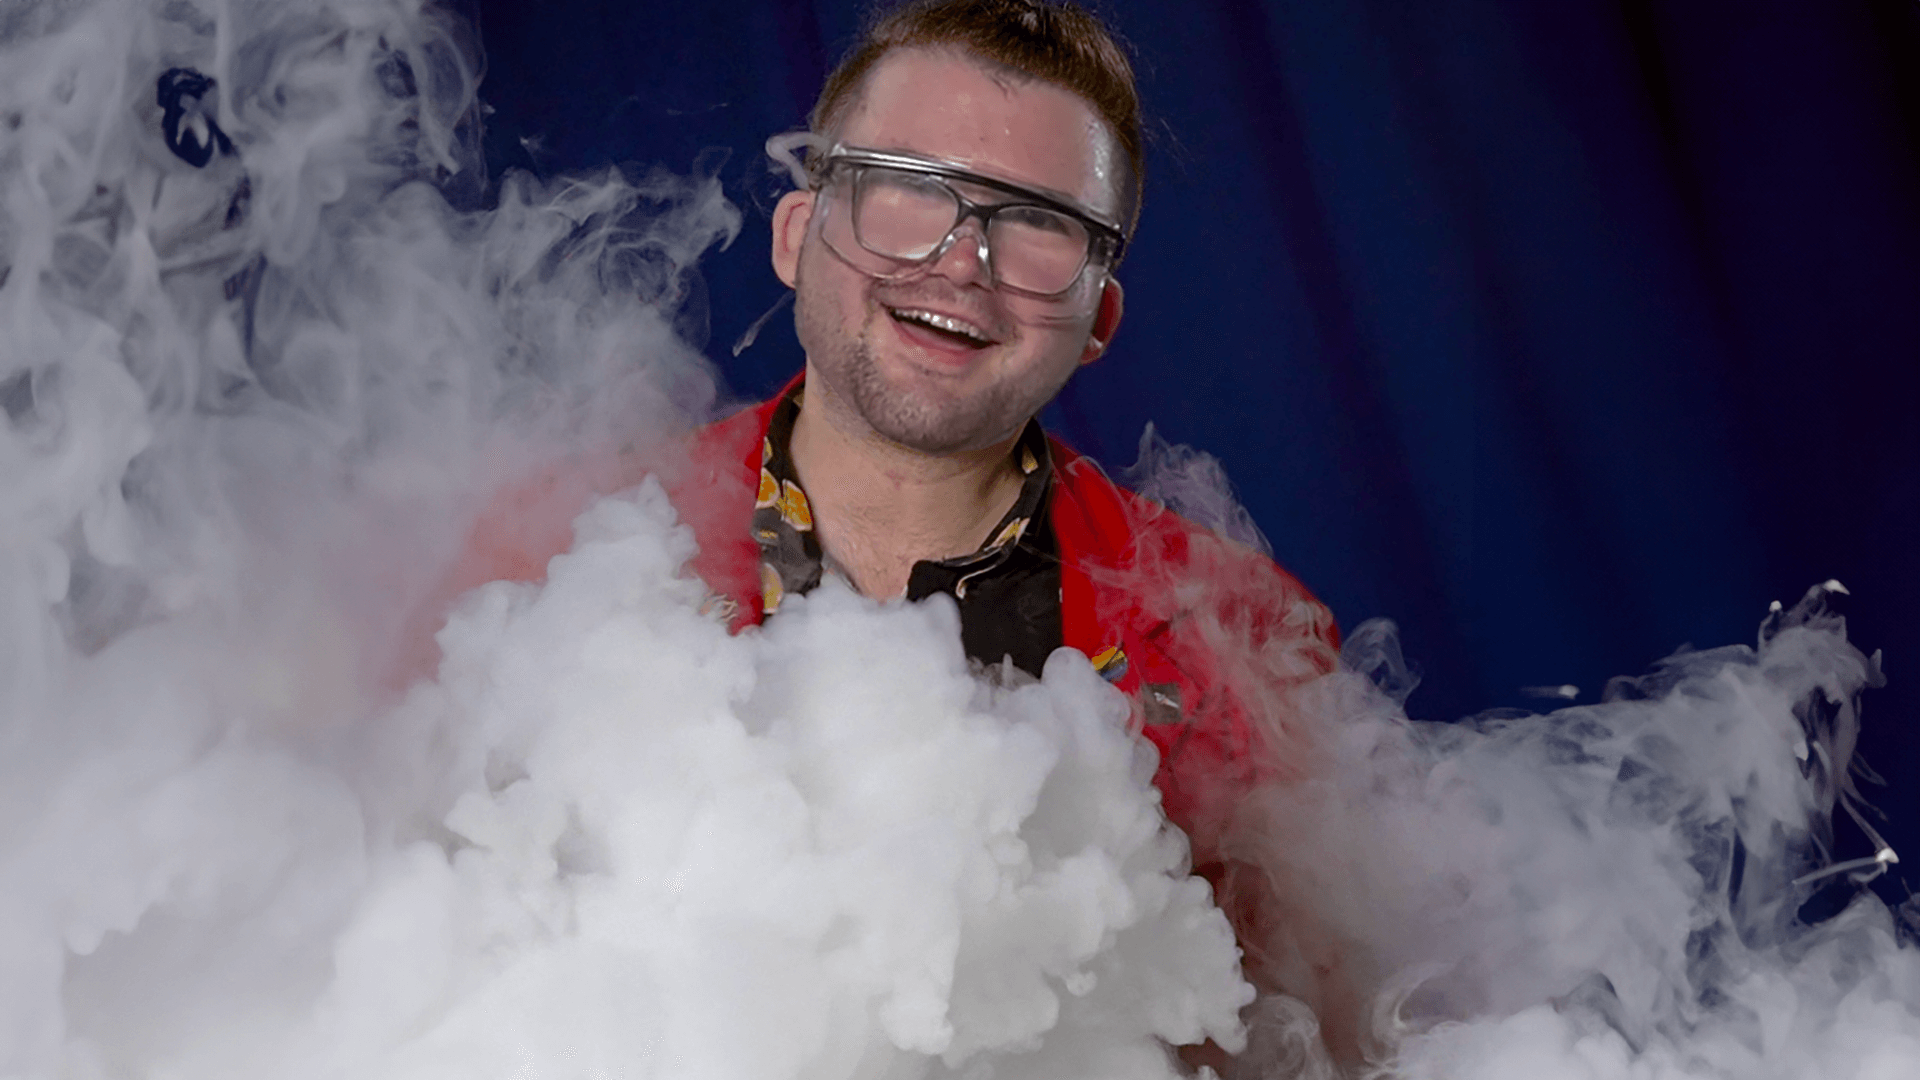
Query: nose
(965, 260)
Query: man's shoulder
(529, 520)
(734, 437)
(1113, 524)
(1160, 566)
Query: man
(973, 172)
(975, 168)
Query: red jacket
(1207, 636)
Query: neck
(879, 507)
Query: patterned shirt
(1008, 591)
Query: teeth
(944, 322)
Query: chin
(929, 430)
(926, 419)
(922, 417)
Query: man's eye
(1040, 220)
(899, 188)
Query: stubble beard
(920, 420)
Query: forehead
(945, 104)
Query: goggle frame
(1106, 241)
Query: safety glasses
(891, 215)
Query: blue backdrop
(1563, 334)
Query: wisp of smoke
(1605, 891)
(260, 377)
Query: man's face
(877, 346)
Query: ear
(791, 216)
(1106, 320)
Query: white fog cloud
(253, 408)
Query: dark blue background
(1561, 333)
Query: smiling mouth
(958, 331)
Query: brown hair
(1050, 40)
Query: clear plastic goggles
(892, 215)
